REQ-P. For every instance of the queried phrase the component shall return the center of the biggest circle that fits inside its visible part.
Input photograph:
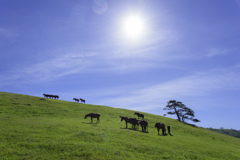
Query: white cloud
(219, 51)
(156, 96)
(8, 33)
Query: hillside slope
(230, 132)
(40, 128)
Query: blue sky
(189, 52)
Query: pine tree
(183, 113)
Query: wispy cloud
(8, 33)
(156, 96)
(219, 51)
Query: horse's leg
(91, 119)
(98, 119)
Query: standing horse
(133, 121)
(55, 96)
(76, 100)
(161, 126)
(126, 119)
(144, 125)
(139, 115)
(47, 95)
(93, 115)
(82, 100)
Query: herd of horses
(135, 122)
(57, 97)
(80, 99)
(51, 96)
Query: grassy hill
(230, 132)
(39, 128)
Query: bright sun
(133, 26)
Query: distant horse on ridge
(76, 100)
(82, 100)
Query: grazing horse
(144, 125)
(139, 115)
(82, 100)
(133, 121)
(93, 115)
(159, 126)
(76, 100)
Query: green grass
(231, 132)
(39, 128)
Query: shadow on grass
(165, 135)
(133, 129)
(89, 123)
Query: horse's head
(85, 116)
(121, 118)
(135, 113)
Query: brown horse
(76, 100)
(161, 126)
(139, 115)
(144, 125)
(82, 100)
(55, 96)
(132, 121)
(93, 115)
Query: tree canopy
(181, 110)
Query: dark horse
(93, 115)
(82, 100)
(161, 126)
(139, 115)
(76, 100)
(144, 125)
(51, 96)
(132, 121)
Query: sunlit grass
(38, 128)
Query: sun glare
(133, 27)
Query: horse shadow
(88, 123)
(165, 134)
(131, 129)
